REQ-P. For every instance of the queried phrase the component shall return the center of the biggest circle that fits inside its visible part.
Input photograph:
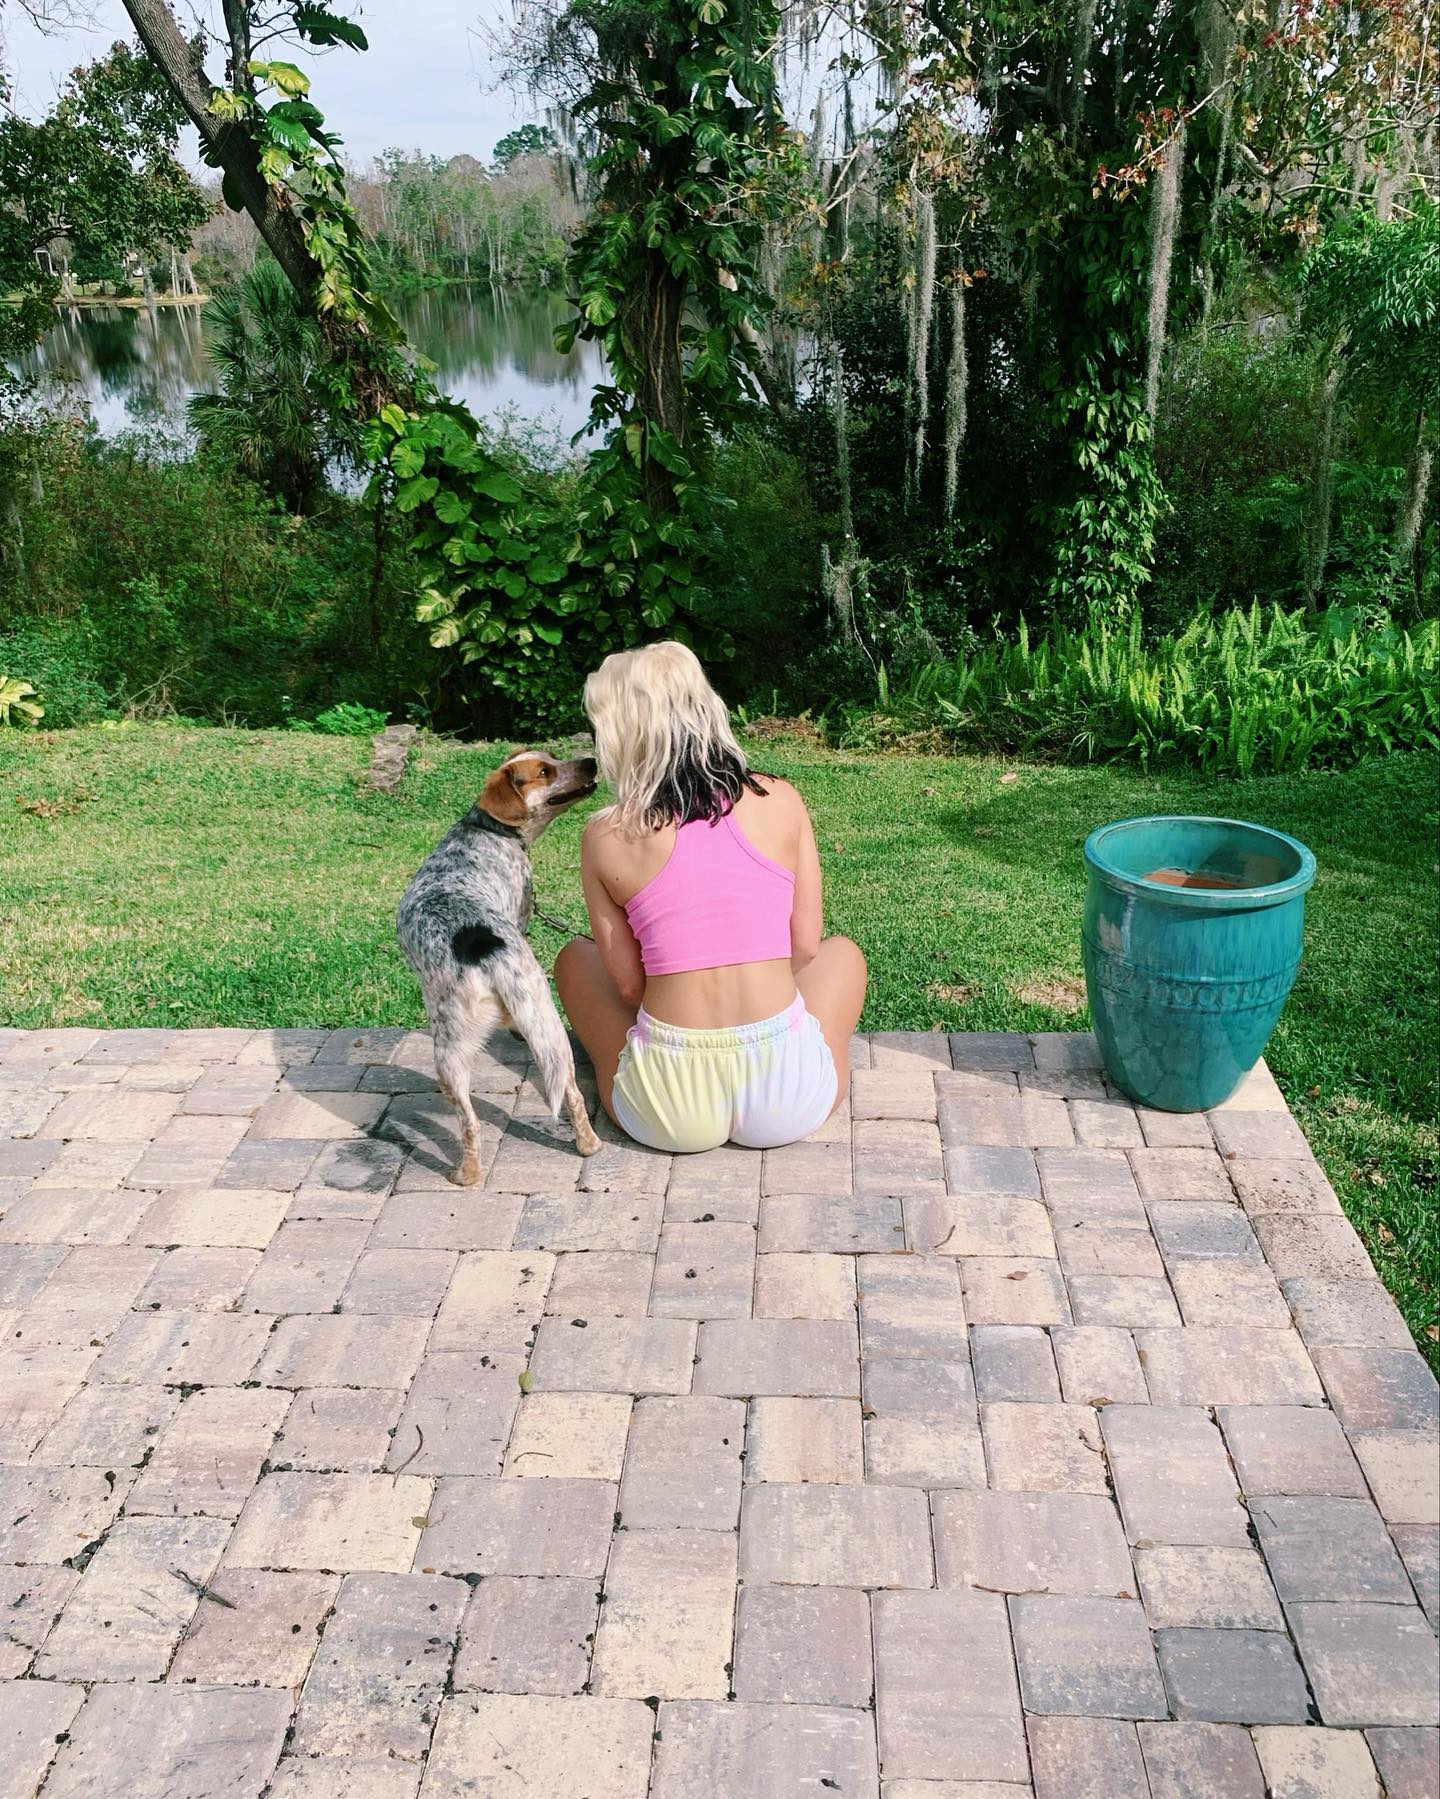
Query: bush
(1247, 692)
(54, 662)
(162, 583)
(349, 720)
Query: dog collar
(479, 820)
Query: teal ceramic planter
(1187, 982)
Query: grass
(205, 877)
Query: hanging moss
(956, 392)
(1417, 492)
(1212, 224)
(1164, 211)
(921, 311)
(839, 594)
(1080, 46)
(1317, 535)
(842, 443)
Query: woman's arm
(807, 919)
(609, 926)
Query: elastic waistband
(655, 1033)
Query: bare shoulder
(776, 787)
(786, 803)
(601, 837)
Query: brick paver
(1003, 1439)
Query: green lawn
(202, 877)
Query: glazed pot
(1187, 982)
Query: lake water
(495, 351)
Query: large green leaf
(415, 492)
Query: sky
(426, 82)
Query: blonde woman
(711, 1006)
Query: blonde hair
(663, 739)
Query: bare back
(617, 868)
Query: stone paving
(999, 1440)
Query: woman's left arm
(610, 927)
(807, 918)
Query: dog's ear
(501, 796)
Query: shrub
(1246, 692)
(162, 582)
(350, 720)
(54, 660)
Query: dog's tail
(518, 982)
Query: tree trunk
(230, 143)
(1164, 211)
(652, 334)
(1081, 43)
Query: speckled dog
(462, 927)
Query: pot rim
(1200, 899)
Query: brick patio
(999, 1440)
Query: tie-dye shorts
(759, 1085)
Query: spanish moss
(956, 394)
(921, 312)
(1212, 226)
(838, 418)
(1164, 210)
(1417, 492)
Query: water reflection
(495, 350)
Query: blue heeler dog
(462, 927)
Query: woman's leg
(833, 988)
(597, 1013)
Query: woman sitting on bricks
(711, 1006)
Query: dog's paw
(466, 1175)
(587, 1142)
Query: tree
(525, 140)
(1371, 298)
(1100, 159)
(275, 416)
(279, 164)
(95, 182)
(680, 103)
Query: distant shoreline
(133, 302)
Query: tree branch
(229, 143)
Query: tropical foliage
(1059, 339)
(277, 415)
(1249, 692)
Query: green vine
(663, 277)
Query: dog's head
(530, 788)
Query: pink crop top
(716, 902)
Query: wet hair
(663, 740)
